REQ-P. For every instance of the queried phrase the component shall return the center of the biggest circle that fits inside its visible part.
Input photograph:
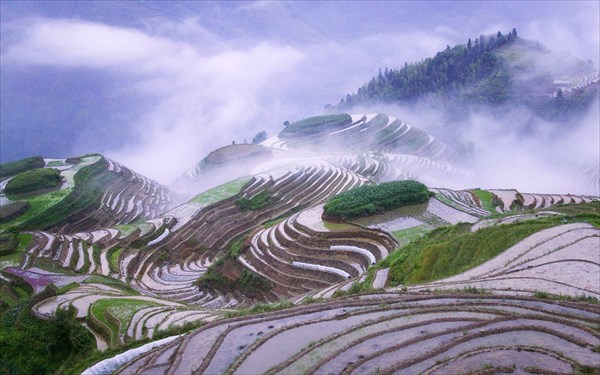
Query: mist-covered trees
(259, 137)
(451, 70)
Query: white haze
(211, 89)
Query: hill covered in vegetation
(102, 263)
(347, 243)
(487, 72)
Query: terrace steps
(558, 260)
(393, 332)
(279, 252)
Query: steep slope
(111, 260)
(94, 192)
(222, 165)
(386, 333)
(491, 71)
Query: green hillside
(490, 71)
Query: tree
(259, 137)
(514, 32)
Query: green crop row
(372, 199)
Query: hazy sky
(158, 85)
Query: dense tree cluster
(373, 199)
(451, 70)
(259, 137)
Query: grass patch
(450, 250)
(374, 199)
(488, 201)
(25, 240)
(221, 192)
(11, 260)
(56, 163)
(126, 229)
(67, 288)
(589, 211)
(586, 370)
(90, 182)
(404, 236)
(255, 203)
(113, 259)
(37, 205)
(8, 243)
(18, 166)
(558, 297)
(260, 308)
(33, 180)
(12, 210)
(248, 283)
(11, 243)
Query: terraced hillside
(94, 192)
(201, 278)
(561, 260)
(386, 333)
(373, 132)
(222, 165)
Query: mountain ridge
(493, 71)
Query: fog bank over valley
(159, 90)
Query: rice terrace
(350, 241)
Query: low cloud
(257, 64)
(208, 97)
(205, 100)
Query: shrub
(256, 202)
(259, 137)
(33, 180)
(372, 199)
